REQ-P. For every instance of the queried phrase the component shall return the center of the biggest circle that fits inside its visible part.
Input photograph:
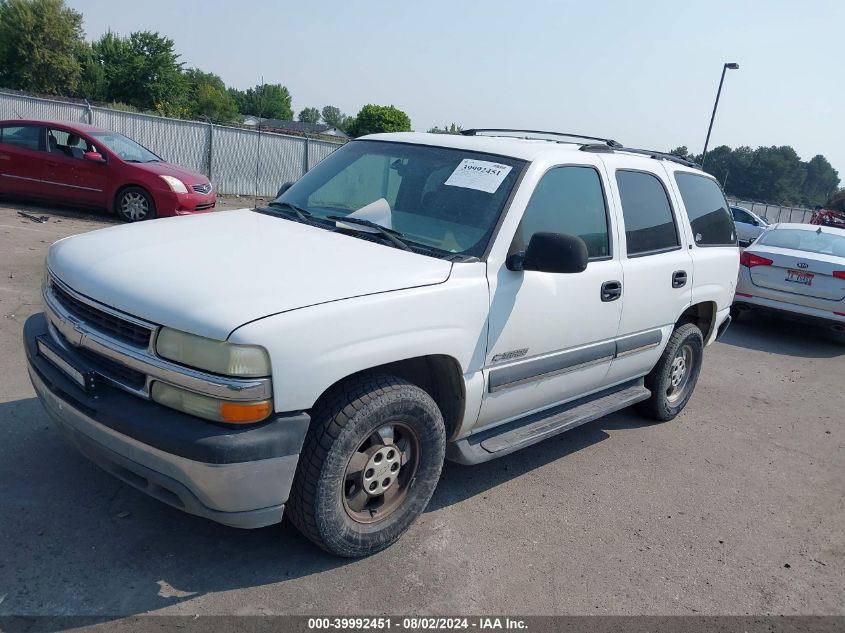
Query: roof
(297, 126)
(808, 227)
(71, 125)
(525, 148)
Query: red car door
(68, 174)
(21, 158)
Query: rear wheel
(673, 379)
(370, 463)
(135, 204)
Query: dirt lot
(736, 507)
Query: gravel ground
(736, 507)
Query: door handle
(679, 279)
(611, 290)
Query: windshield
(802, 240)
(438, 198)
(126, 148)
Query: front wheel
(135, 204)
(370, 463)
(673, 379)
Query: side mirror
(284, 188)
(551, 253)
(94, 157)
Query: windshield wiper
(390, 234)
(303, 214)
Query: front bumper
(235, 476)
(171, 203)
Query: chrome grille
(204, 188)
(116, 327)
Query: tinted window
(741, 216)
(569, 200)
(21, 136)
(707, 209)
(812, 241)
(649, 223)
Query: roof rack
(608, 142)
(645, 152)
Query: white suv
(413, 297)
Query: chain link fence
(775, 212)
(236, 160)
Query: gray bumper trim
(245, 494)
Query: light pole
(732, 66)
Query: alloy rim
(680, 373)
(134, 206)
(380, 473)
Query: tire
(134, 204)
(352, 425)
(668, 399)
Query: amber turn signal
(244, 412)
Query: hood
(169, 169)
(209, 274)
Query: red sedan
(85, 165)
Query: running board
(536, 427)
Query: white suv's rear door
(656, 263)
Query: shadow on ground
(766, 333)
(77, 541)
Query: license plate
(84, 379)
(799, 277)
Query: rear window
(802, 240)
(707, 209)
(21, 136)
(649, 223)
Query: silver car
(749, 225)
(796, 269)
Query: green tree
(268, 101)
(375, 118)
(334, 117)
(309, 115)
(39, 45)
(208, 97)
(142, 70)
(837, 201)
(446, 129)
(239, 97)
(821, 181)
(92, 78)
(682, 152)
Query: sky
(644, 73)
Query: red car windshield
(126, 148)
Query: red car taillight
(839, 273)
(750, 260)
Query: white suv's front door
(551, 336)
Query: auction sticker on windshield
(478, 174)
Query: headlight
(219, 357)
(175, 184)
(210, 408)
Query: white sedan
(797, 270)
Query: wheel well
(438, 375)
(703, 315)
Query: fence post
(306, 163)
(210, 148)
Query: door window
(649, 222)
(26, 136)
(68, 144)
(741, 216)
(568, 200)
(707, 209)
